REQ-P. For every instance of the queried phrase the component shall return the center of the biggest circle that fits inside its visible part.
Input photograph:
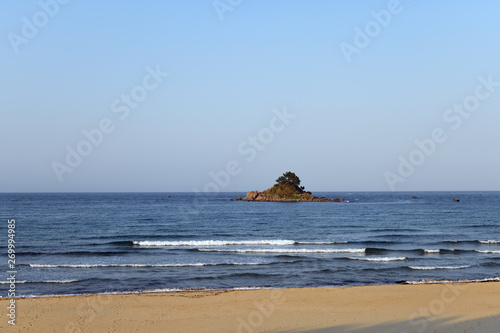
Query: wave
(275, 242)
(381, 250)
(154, 265)
(193, 243)
(489, 242)
(459, 241)
(321, 243)
(456, 251)
(245, 275)
(377, 242)
(488, 251)
(394, 229)
(146, 291)
(473, 241)
(396, 235)
(77, 253)
(376, 250)
(428, 268)
(497, 279)
(436, 251)
(287, 250)
(214, 243)
(379, 259)
(491, 264)
(49, 281)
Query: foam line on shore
(496, 279)
(249, 288)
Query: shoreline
(473, 307)
(182, 290)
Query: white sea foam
(489, 241)
(488, 251)
(49, 281)
(428, 268)
(497, 279)
(8, 282)
(379, 259)
(151, 265)
(215, 242)
(148, 291)
(161, 290)
(321, 243)
(247, 288)
(286, 250)
(431, 251)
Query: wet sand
(472, 307)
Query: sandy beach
(473, 307)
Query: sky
(202, 95)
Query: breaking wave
(214, 243)
(428, 268)
(489, 242)
(49, 281)
(196, 243)
(286, 250)
(152, 265)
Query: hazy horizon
(244, 191)
(226, 96)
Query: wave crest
(379, 259)
(152, 265)
(428, 268)
(49, 281)
(214, 243)
(489, 242)
(286, 250)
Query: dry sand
(473, 307)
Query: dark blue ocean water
(96, 243)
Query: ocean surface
(135, 242)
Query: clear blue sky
(353, 119)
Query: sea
(106, 243)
